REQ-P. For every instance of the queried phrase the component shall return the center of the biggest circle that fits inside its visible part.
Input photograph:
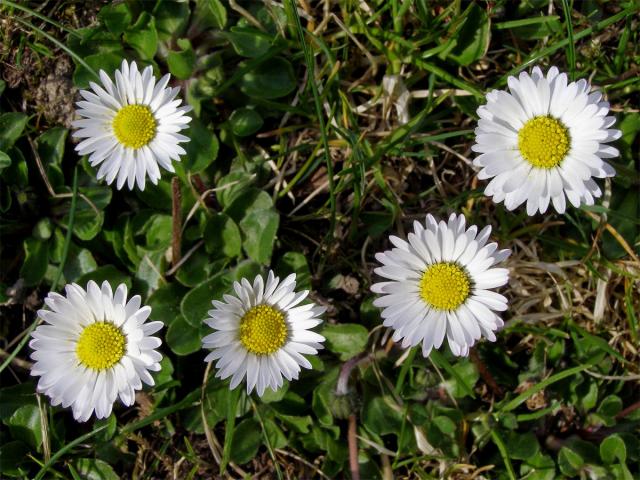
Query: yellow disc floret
(544, 142)
(445, 286)
(101, 345)
(134, 126)
(263, 330)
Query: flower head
(439, 285)
(544, 141)
(131, 126)
(261, 333)
(94, 347)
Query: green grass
(299, 161)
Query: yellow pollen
(445, 286)
(101, 345)
(544, 142)
(263, 330)
(134, 126)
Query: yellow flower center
(263, 330)
(134, 126)
(445, 286)
(101, 345)
(544, 142)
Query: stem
(176, 239)
(353, 448)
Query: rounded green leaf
(95, 469)
(182, 63)
(182, 337)
(272, 79)
(249, 42)
(345, 339)
(222, 235)
(197, 302)
(245, 122)
(26, 424)
(247, 438)
(11, 127)
(613, 447)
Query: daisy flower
(262, 334)
(131, 126)
(544, 142)
(439, 285)
(94, 347)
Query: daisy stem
(497, 439)
(406, 365)
(54, 285)
(66, 448)
(176, 238)
(266, 438)
(571, 48)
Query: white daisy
(544, 141)
(262, 334)
(94, 347)
(439, 283)
(131, 126)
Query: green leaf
(464, 376)
(610, 406)
(345, 339)
(143, 36)
(222, 235)
(26, 424)
(5, 161)
(80, 262)
(210, 14)
(51, 145)
(35, 262)
(272, 79)
(95, 469)
(235, 185)
(246, 201)
(295, 262)
(380, 417)
(197, 269)
(473, 37)
(159, 231)
(245, 121)
(149, 275)
(107, 273)
(249, 42)
(13, 455)
(89, 211)
(247, 438)
(107, 61)
(172, 18)
(569, 461)
(165, 302)
(16, 396)
(259, 229)
(43, 229)
(613, 447)
(116, 17)
(182, 63)
(274, 434)
(202, 150)
(522, 446)
(197, 302)
(182, 337)
(11, 127)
